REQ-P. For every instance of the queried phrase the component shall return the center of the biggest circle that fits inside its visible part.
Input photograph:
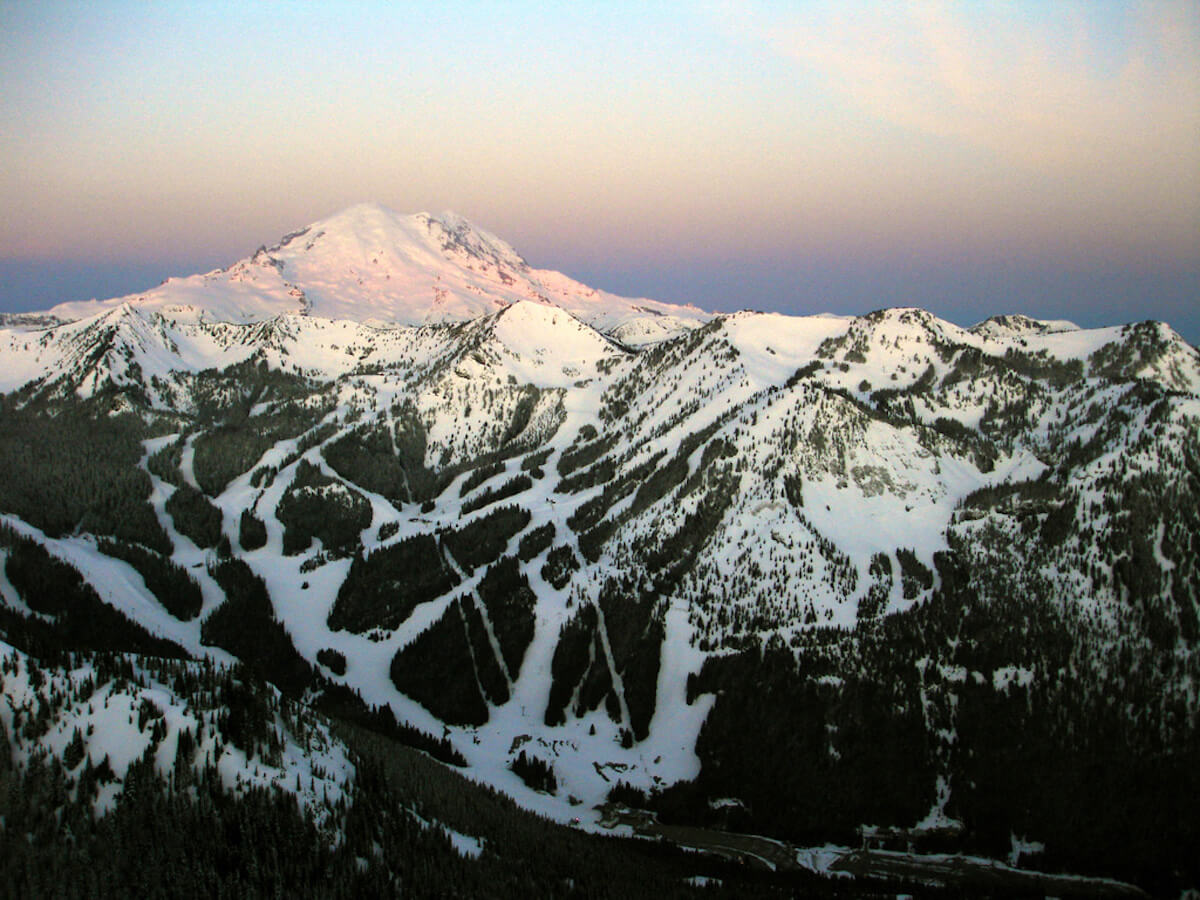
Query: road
(749, 848)
(973, 875)
(978, 875)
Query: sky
(969, 158)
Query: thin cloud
(1033, 92)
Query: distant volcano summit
(370, 264)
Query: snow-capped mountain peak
(1003, 326)
(367, 234)
(370, 264)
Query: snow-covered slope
(100, 721)
(745, 482)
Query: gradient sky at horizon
(971, 158)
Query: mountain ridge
(785, 572)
